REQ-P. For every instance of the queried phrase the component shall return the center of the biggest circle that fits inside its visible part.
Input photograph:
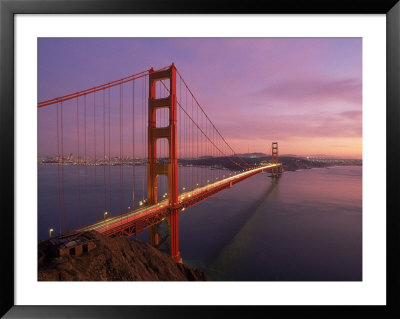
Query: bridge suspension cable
(213, 127)
(114, 116)
(211, 122)
(96, 88)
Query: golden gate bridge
(153, 117)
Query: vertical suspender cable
(146, 117)
(122, 145)
(79, 164)
(58, 176)
(120, 148)
(143, 135)
(133, 144)
(62, 165)
(104, 150)
(95, 155)
(109, 151)
(167, 117)
(197, 159)
(192, 142)
(86, 190)
(185, 137)
(179, 127)
(146, 122)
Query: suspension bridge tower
(169, 169)
(275, 160)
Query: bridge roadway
(135, 221)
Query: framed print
(242, 148)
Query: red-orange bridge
(156, 122)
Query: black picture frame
(8, 8)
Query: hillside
(289, 163)
(109, 259)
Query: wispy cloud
(310, 90)
(296, 90)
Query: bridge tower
(171, 168)
(275, 158)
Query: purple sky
(305, 93)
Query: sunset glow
(305, 93)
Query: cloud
(313, 89)
(256, 89)
(296, 127)
(353, 115)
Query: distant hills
(290, 163)
(251, 155)
(235, 162)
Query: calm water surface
(305, 226)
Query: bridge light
(105, 214)
(183, 188)
(50, 230)
(183, 209)
(140, 203)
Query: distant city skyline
(305, 93)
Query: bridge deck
(135, 221)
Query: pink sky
(305, 93)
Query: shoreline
(326, 167)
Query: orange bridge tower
(169, 169)
(275, 159)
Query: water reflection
(305, 225)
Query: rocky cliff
(90, 256)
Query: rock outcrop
(108, 259)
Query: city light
(50, 231)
